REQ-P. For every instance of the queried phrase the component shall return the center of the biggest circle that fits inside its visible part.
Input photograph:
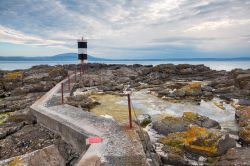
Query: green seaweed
(3, 117)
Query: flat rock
(48, 156)
(235, 156)
(200, 141)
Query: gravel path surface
(118, 142)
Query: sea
(215, 65)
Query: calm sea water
(216, 65)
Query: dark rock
(26, 119)
(149, 148)
(179, 93)
(243, 81)
(207, 94)
(170, 125)
(174, 159)
(144, 120)
(243, 117)
(235, 156)
(207, 88)
(164, 93)
(67, 152)
(200, 120)
(186, 71)
(224, 89)
(244, 102)
(81, 101)
(200, 141)
(6, 130)
(123, 80)
(178, 124)
(25, 140)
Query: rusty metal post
(82, 69)
(129, 112)
(69, 81)
(62, 92)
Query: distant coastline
(73, 57)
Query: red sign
(93, 140)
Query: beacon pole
(82, 62)
(82, 53)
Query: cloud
(214, 25)
(12, 36)
(145, 27)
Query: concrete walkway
(119, 147)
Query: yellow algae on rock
(13, 75)
(190, 116)
(112, 105)
(244, 123)
(195, 85)
(192, 86)
(184, 138)
(195, 139)
(16, 162)
(193, 89)
(244, 133)
(3, 117)
(219, 105)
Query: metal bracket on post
(62, 92)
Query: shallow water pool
(143, 102)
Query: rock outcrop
(178, 124)
(235, 156)
(143, 120)
(49, 156)
(243, 117)
(82, 101)
(201, 141)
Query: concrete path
(120, 146)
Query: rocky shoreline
(187, 140)
(19, 132)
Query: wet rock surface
(82, 101)
(178, 124)
(174, 83)
(235, 156)
(143, 120)
(170, 125)
(243, 117)
(195, 142)
(200, 120)
(19, 132)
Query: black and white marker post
(82, 53)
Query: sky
(126, 28)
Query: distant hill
(59, 57)
(73, 57)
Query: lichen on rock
(198, 140)
(243, 116)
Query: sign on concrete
(93, 140)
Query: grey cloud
(127, 25)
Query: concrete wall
(71, 134)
